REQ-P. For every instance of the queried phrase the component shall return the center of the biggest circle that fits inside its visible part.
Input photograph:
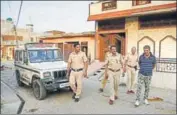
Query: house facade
(9, 41)
(135, 23)
(138, 23)
(65, 42)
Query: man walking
(147, 63)
(78, 65)
(131, 61)
(104, 81)
(113, 66)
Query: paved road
(91, 102)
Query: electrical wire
(8, 2)
(19, 13)
(15, 26)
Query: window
(159, 20)
(140, 2)
(36, 56)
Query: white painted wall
(164, 80)
(134, 34)
(159, 80)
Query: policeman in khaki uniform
(131, 62)
(104, 81)
(114, 64)
(78, 65)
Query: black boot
(76, 99)
(73, 97)
(101, 90)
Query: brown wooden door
(68, 48)
(111, 39)
(120, 44)
(105, 41)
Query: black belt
(77, 70)
(135, 67)
(131, 66)
(114, 70)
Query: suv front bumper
(55, 84)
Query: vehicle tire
(39, 90)
(20, 83)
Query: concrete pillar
(131, 25)
(97, 42)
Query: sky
(68, 16)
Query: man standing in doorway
(131, 61)
(78, 65)
(147, 63)
(104, 81)
(113, 67)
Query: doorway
(117, 39)
(68, 48)
(84, 47)
(118, 46)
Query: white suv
(41, 66)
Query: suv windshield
(46, 55)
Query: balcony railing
(111, 27)
(109, 5)
(157, 23)
(167, 65)
(112, 24)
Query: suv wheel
(39, 90)
(18, 79)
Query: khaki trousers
(103, 82)
(131, 78)
(114, 83)
(76, 78)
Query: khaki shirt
(114, 62)
(77, 60)
(132, 60)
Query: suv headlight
(47, 74)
